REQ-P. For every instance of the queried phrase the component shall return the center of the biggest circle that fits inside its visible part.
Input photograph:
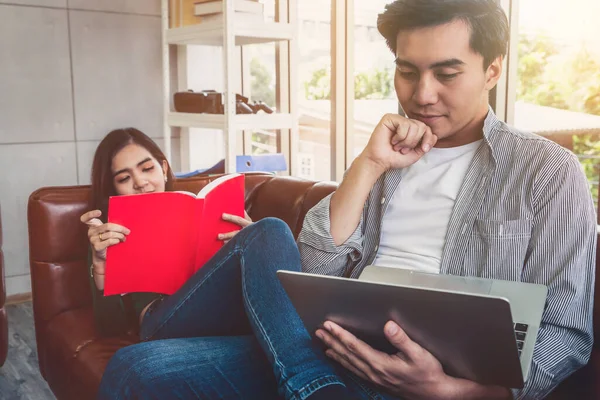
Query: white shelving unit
(228, 34)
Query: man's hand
(413, 372)
(398, 142)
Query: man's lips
(426, 117)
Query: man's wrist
(462, 389)
(371, 166)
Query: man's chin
(442, 134)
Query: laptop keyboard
(520, 333)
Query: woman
(232, 318)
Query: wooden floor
(20, 376)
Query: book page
(208, 188)
(184, 192)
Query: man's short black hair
(485, 18)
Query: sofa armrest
(57, 255)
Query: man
(451, 189)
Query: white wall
(70, 71)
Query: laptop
(479, 329)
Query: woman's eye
(123, 180)
(148, 169)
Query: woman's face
(135, 171)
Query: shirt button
(383, 200)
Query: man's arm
(348, 201)
(320, 252)
(332, 229)
(396, 142)
(562, 255)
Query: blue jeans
(229, 332)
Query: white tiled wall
(68, 77)
(117, 74)
(43, 3)
(150, 7)
(28, 167)
(35, 75)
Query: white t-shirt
(414, 226)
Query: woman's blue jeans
(229, 332)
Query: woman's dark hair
(102, 177)
(486, 20)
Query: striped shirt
(523, 213)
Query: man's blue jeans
(229, 332)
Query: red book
(173, 234)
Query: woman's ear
(165, 168)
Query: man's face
(440, 81)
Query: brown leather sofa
(3, 318)
(72, 356)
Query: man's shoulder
(509, 141)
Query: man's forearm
(349, 199)
(463, 389)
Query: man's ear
(493, 73)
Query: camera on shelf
(211, 102)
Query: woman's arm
(97, 276)
(101, 236)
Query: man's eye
(447, 77)
(408, 75)
(123, 180)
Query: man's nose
(425, 92)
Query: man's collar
(489, 125)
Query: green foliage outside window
(587, 147)
(262, 83)
(565, 80)
(376, 84)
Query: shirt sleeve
(561, 255)
(318, 251)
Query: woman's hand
(101, 236)
(243, 222)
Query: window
(307, 162)
(551, 86)
(260, 75)
(373, 75)
(557, 89)
(314, 89)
